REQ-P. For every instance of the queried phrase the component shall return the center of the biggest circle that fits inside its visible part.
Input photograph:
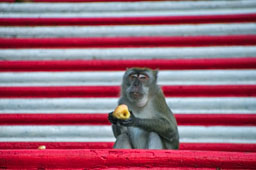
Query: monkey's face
(137, 86)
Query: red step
(117, 65)
(118, 42)
(96, 158)
(229, 147)
(101, 119)
(199, 19)
(114, 91)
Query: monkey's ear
(155, 73)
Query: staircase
(61, 65)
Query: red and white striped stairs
(61, 64)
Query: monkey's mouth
(136, 95)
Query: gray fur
(155, 126)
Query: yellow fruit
(121, 112)
(42, 147)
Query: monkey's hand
(112, 118)
(128, 122)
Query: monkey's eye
(143, 77)
(133, 77)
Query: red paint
(230, 147)
(216, 119)
(113, 91)
(57, 145)
(73, 1)
(209, 90)
(200, 19)
(117, 42)
(124, 158)
(117, 65)
(61, 91)
(54, 119)
(7, 1)
(102, 119)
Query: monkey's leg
(154, 141)
(123, 142)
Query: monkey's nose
(135, 89)
(136, 83)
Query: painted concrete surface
(129, 31)
(198, 134)
(128, 53)
(123, 6)
(110, 78)
(106, 105)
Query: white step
(110, 78)
(131, 13)
(214, 134)
(123, 6)
(129, 31)
(128, 53)
(106, 105)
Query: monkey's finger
(111, 118)
(131, 113)
(112, 121)
(127, 122)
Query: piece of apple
(122, 112)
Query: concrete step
(117, 65)
(85, 133)
(110, 78)
(102, 7)
(131, 31)
(68, 20)
(102, 119)
(119, 42)
(115, 33)
(234, 147)
(178, 105)
(114, 91)
(128, 53)
(135, 159)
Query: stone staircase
(61, 65)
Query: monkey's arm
(116, 126)
(159, 125)
(116, 130)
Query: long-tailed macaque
(151, 124)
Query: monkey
(152, 124)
